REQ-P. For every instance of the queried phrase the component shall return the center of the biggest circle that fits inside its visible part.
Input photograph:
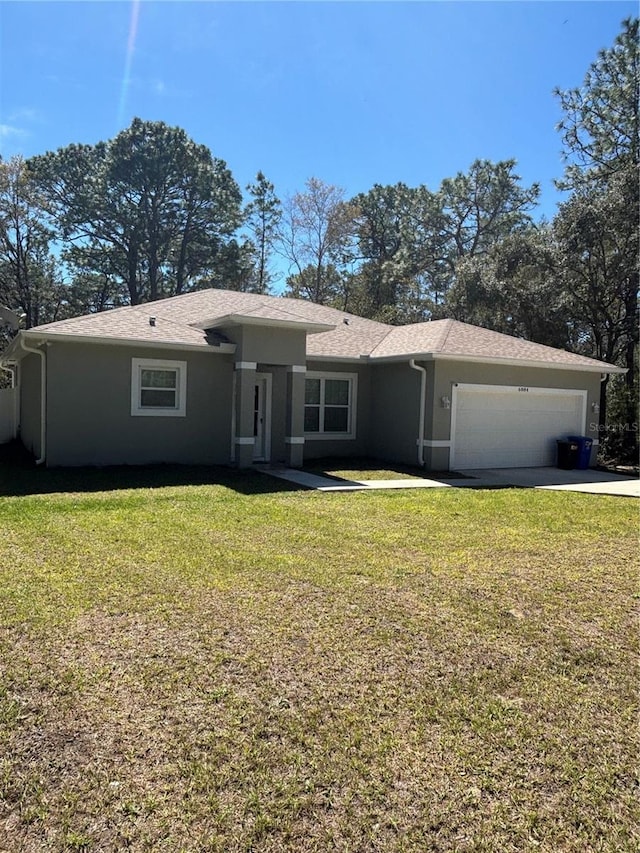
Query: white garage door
(496, 426)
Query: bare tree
(316, 235)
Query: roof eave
(600, 367)
(139, 342)
(347, 359)
(272, 323)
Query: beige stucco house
(219, 377)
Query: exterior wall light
(445, 402)
(595, 408)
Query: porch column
(244, 413)
(294, 438)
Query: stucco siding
(29, 407)
(89, 420)
(395, 412)
(8, 397)
(268, 345)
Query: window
(158, 387)
(329, 405)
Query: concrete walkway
(327, 484)
(597, 482)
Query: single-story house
(219, 377)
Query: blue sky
(354, 93)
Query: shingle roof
(128, 324)
(183, 321)
(272, 315)
(456, 339)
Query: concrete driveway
(596, 482)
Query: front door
(262, 417)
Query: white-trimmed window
(158, 387)
(330, 405)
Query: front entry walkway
(328, 484)
(593, 481)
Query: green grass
(371, 469)
(239, 667)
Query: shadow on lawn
(19, 475)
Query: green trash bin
(584, 450)
(567, 454)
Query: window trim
(180, 368)
(352, 378)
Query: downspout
(43, 397)
(423, 395)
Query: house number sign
(522, 389)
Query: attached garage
(499, 426)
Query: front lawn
(241, 667)
(362, 469)
(371, 469)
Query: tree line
(151, 214)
